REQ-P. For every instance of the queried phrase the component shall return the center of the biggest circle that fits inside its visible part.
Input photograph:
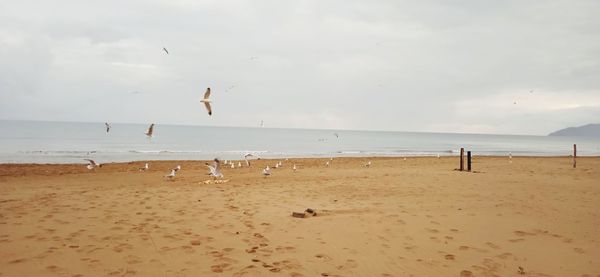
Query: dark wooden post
(468, 160)
(574, 155)
(462, 159)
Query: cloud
(387, 65)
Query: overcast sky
(441, 66)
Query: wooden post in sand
(469, 161)
(574, 155)
(462, 159)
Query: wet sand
(414, 217)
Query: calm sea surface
(67, 142)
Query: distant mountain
(590, 130)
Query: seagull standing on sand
(206, 101)
(294, 168)
(232, 165)
(327, 164)
(215, 169)
(166, 51)
(150, 131)
(367, 164)
(92, 164)
(240, 164)
(107, 126)
(172, 174)
(266, 171)
(177, 168)
(144, 168)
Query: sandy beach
(535, 216)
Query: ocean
(71, 142)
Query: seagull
(267, 171)
(166, 51)
(172, 175)
(215, 169)
(206, 101)
(240, 164)
(226, 162)
(92, 164)
(367, 164)
(438, 156)
(232, 165)
(327, 164)
(150, 130)
(107, 126)
(294, 168)
(177, 168)
(246, 156)
(144, 168)
(276, 166)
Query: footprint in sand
(466, 273)
(449, 257)
(219, 267)
(323, 257)
(491, 245)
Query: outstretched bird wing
(165, 49)
(208, 108)
(92, 162)
(207, 93)
(150, 129)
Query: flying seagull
(206, 101)
(144, 168)
(150, 130)
(246, 158)
(92, 164)
(107, 126)
(166, 51)
(215, 169)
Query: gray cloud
(390, 65)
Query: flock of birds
(215, 167)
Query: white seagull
(215, 169)
(240, 164)
(294, 168)
(327, 164)
(367, 164)
(266, 171)
(172, 175)
(144, 168)
(177, 168)
(92, 164)
(150, 131)
(107, 126)
(232, 165)
(246, 156)
(206, 101)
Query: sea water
(70, 142)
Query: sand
(419, 217)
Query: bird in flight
(229, 88)
(150, 130)
(92, 164)
(336, 135)
(206, 101)
(215, 169)
(246, 158)
(166, 51)
(107, 126)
